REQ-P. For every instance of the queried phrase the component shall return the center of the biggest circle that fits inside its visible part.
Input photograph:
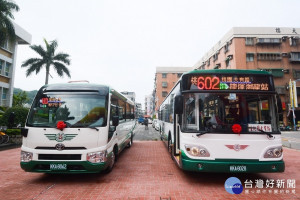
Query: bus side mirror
(178, 104)
(279, 104)
(115, 120)
(24, 132)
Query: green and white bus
(223, 121)
(76, 128)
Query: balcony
(269, 56)
(268, 41)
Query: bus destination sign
(228, 82)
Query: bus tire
(111, 163)
(130, 142)
(170, 145)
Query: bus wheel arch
(112, 160)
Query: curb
(9, 146)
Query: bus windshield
(218, 112)
(75, 109)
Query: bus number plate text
(238, 168)
(58, 166)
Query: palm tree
(48, 58)
(7, 30)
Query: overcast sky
(121, 42)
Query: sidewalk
(291, 139)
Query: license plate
(238, 168)
(58, 166)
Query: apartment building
(165, 79)
(273, 49)
(149, 105)
(8, 54)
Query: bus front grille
(59, 157)
(66, 148)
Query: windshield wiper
(94, 128)
(202, 133)
(267, 133)
(83, 126)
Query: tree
(7, 30)
(20, 99)
(48, 58)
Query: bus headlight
(198, 151)
(26, 156)
(96, 157)
(274, 152)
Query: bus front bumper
(66, 167)
(232, 166)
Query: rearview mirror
(115, 120)
(178, 104)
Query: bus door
(176, 135)
(176, 131)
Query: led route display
(227, 82)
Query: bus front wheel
(130, 142)
(170, 145)
(111, 163)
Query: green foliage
(47, 59)
(30, 94)
(11, 132)
(7, 30)
(19, 99)
(20, 116)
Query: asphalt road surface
(142, 134)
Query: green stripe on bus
(229, 165)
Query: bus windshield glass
(75, 109)
(218, 112)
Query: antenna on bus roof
(80, 81)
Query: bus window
(77, 110)
(218, 112)
(190, 112)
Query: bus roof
(81, 87)
(228, 71)
(73, 86)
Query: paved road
(141, 134)
(144, 171)
(291, 139)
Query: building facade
(129, 95)
(138, 112)
(165, 79)
(273, 49)
(149, 105)
(8, 54)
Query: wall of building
(172, 76)
(235, 44)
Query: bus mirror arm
(178, 104)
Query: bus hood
(71, 138)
